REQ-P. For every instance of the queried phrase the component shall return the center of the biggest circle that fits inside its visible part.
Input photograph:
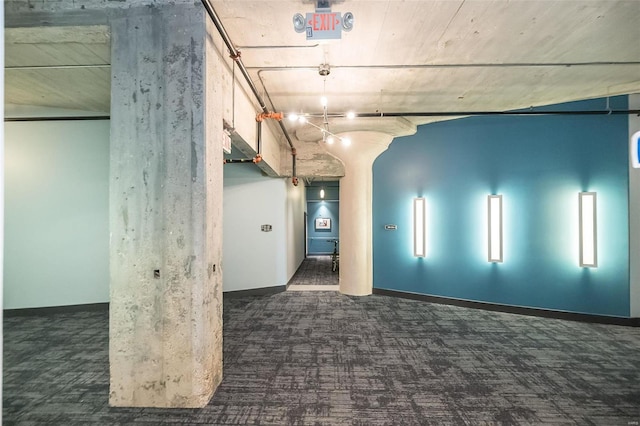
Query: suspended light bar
(327, 136)
(588, 229)
(494, 203)
(419, 227)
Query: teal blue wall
(539, 164)
(331, 193)
(317, 238)
(326, 208)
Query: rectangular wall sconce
(588, 229)
(419, 225)
(635, 150)
(494, 203)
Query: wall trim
(57, 118)
(47, 310)
(263, 291)
(536, 312)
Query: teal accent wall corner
(539, 164)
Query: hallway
(314, 274)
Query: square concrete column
(165, 336)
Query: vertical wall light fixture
(635, 150)
(419, 227)
(322, 193)
(587, 209)
(494, 205)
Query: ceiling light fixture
(324, 70)
(298, 23)
(327, 135)
(347, 21)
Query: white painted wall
(634, 217)
(252, 258)
(295, 241)
(56, 213)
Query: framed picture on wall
(323, 223)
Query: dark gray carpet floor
(321, 358)
(316, 270)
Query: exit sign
(324, 26)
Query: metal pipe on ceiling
(460, 65)
(475, 113)
(54, 67)
(235, 55)
(239, 160)
(259, 132)
(454, 113)
(282, 46)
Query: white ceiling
(61, 67)
(450, 55)
(401, 56)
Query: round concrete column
(356, 215)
